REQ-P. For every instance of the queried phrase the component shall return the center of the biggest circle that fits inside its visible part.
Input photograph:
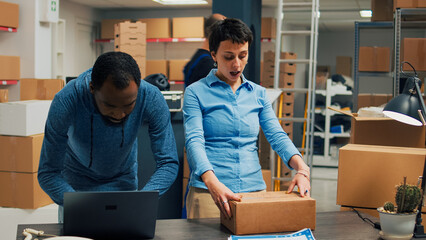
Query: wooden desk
(330, 225)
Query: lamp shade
(405, 107)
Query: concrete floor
(324, 190)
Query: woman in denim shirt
(222, 116)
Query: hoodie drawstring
(91, 141)
(122, 134)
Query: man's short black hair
(120, 66)
(229, 29)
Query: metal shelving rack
(312, 7)
(397, 25)
(408, 13)
(358, 27)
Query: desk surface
(329, 225)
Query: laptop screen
(111, 215)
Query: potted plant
(398, 222)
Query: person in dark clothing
(201, 62)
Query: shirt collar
(213, 79)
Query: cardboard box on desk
(23, 118)
(22, 190)
(20, 154)
(368, 174)
(40, 89)
(267, 212)
(385, 131)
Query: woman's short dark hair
(229, 29)
(120, 66)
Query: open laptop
(111, 215)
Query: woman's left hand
(302, 177)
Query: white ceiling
(335, 14)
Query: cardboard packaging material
(10, 68)
(23, 118)
(267, 177)
(4, 95)
(344, 65)
(40, 89)
(382, 10)
(157, 66)
(9, 14)
(368, 174)
(372, 99)
(268, 28)
(22, 190)
(136, 50)
(287, 126)
(267, 212)
(404, 4)
(374, 59)
(107, 27)
(157, 27)
(188, 27)
(20, 154)
(387, 132)
(141, 61)
(176, 69)
(288, 97)
(414, 51)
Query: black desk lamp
(409, 108)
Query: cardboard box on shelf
(344, 65)
(157, 27)
(404, 4)
(267, 177)
(288, 97)
(374, 59)
(288, 107)
(23, 118)
(22, 190)
(135, 50)
(287, 126)
(20, 154)
(157, 66)
(268, 27)
(181, 29)
(130, 39)
(368, 174)
(273, 212)
(141, 61)
(413, 51)
(40, 89)
(107, 27)
(9, 14)
(382, 10)
(4, 95)
(10, 68)
(372, 99)
(128, 28)
(176, 69)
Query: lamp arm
(419, 95)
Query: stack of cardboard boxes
(381, 152)
(130, 37)
(286, 80)
(21, 136)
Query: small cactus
(388, 206)
(407, 197)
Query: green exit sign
(53, 6)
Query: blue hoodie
(84, 152)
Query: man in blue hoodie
(90, 141)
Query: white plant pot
(397, 224)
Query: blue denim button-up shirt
(221, 132)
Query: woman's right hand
(220, 193)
